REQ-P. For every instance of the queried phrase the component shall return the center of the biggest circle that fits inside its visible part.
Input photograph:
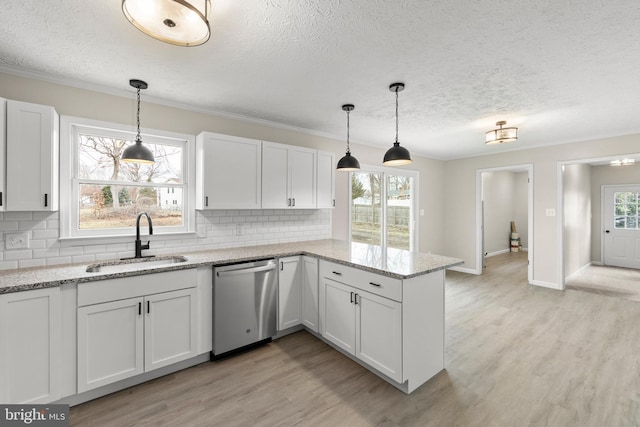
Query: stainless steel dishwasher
(244, 305)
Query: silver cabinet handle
(245, 270)
(375, 284)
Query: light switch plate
(16, 240)
(551, 212)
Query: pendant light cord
(348, 149)
(138, 139)
(396, 115)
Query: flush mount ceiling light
(501, 135)
(623, 162)
(348, 163)
(178, 22)
(397, 155)
(138, 153)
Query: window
(383, 205)
(626, 211)
(102, 196)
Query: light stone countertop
(397, 263)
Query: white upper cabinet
(228, 172)
(326, 173)
(32, 151)
(3, 150)
(288, 176)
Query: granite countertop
(397, 263)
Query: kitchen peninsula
(382, 307)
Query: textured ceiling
(561, 71)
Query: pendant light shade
(348, 163)
(397, 155)
(178, 22)
(501, 135)
(138, 153)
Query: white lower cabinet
(365, 325)
(30, 349)
(298, 292)
(126, 337)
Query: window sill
(122, 238)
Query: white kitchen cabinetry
(135, 325)
(228, 172)
(32, 147)
(288, 177)
(289, 292)
(30, 349)
(310, 292)
(3, 151)
(395, 326)
(326, 173)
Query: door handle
(606, 231)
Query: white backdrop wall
(577, 217)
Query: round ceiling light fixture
(501, 135)
(397, 155)
(138, 153)
(348, 163)
(178, 22)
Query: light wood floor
(612, 281)
(516, 355)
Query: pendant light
(397, 155)
(178, 22)
(501, 135)
(138, 153)
(348, 163)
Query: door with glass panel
(383, 208)
(621, 226)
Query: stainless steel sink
(134, 264)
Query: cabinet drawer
(135, 286)
(387, 287)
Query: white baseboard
(464, 270)
(500, 252)
(546, 284)
(577, 271)
(596, 263)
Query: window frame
(70, 127)
(414, 223)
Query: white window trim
(69, 127)
(414, 243)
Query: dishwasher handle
(245, 270)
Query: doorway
(621, 238)
(495, 186)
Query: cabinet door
(289, 293)
(30, 335)
(325, 180)
(110, 342)
(3, 150)
(170, 330)
(275, 176)
(228, 172)
(302, 178)
(310, 293)
(338, 318)
(32, 146)
(379, 333)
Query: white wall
(497, 194)
(460, 197)
(577, 217)
(606, 175)
(122, 109)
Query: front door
(621, 226)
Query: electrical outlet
(550, 212)
(16, 241)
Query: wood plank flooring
(516, 355)
(612, 281)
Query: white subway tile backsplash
(215, 229)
